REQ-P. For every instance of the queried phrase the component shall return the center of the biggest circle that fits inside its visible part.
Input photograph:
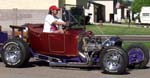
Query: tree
(138, 4)
(124, 2)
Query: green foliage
(123, 2)
(138, 4)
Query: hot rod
(76, 48)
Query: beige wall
(37, 4)
(108, 7)
(28, 11)
(27, 4)
(77, 2)
(73, 2)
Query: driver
(52, 22)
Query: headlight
(107, 43)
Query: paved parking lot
(42, 70)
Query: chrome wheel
(12, 53)
(15, 53)
(112, 60)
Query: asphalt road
(42, 70)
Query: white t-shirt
(49, 21)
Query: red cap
(53, 7)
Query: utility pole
(129, 12)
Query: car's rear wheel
(113, 60)
(15, 53)
(138, 55)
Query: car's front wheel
(15, 53)
(113, 60)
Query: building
(18, 12)
(101, 10)
(122, 11)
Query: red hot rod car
(76, 47)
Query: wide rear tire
(15, 53)
(113, 60)
(140, 53)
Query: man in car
(52, 22)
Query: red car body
(52, 43)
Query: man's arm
(59, 23)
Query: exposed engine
(91, 44)
(89, 47)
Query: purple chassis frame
(64, 59)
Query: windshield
(74, 14)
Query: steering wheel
(66, 16)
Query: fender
(113, 41)
(117, 41)
(3, 37)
